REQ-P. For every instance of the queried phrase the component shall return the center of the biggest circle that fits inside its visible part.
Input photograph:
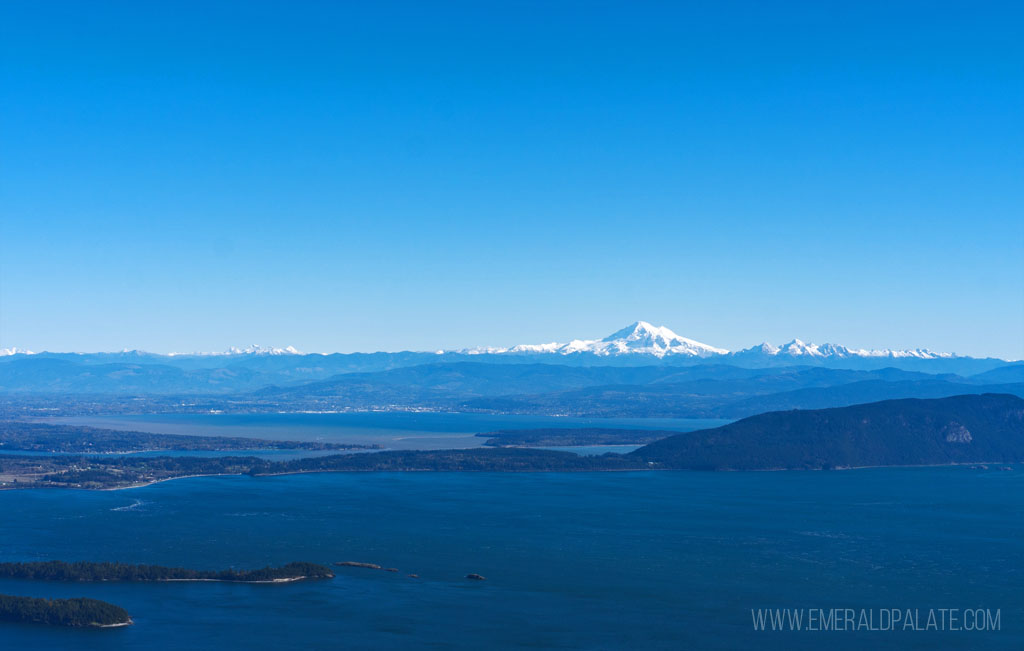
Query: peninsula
(75, 439)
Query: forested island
(958, 430)
(62, 612)
(87, 571)
(41, 437)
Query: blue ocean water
(660, 560)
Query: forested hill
(960, 429)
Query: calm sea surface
(661, 560)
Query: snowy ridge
(797, 348)
(642, 338)
(254, 349)
(6, 352)
(639, 338)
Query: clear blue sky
(365, 176)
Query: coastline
(150, 483)
(602, 470)
(290, 579)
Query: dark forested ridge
(86, 571)
(62, 612)
(960, 429)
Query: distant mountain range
(639, 365)
(639, 340)
(642, 338)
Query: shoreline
(420, 470)
(170, 451)
(150, 483)
(290, 579)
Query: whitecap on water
(134, 506)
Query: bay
(659, 560)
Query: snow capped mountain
(254, 349)
(263, 350)
(5, 352)
(640, 338)
(919, 353)
(765, 349)
(799, 349)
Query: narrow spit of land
(76, 439)
(88, 571)
(82, 612)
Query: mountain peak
(641, 330)
(639, 337)
(763, 348)
(799, 348)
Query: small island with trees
(83, 612)
(62, 612)
(87, 571)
